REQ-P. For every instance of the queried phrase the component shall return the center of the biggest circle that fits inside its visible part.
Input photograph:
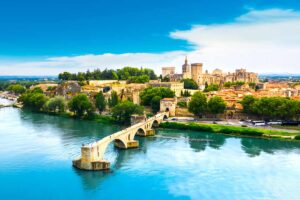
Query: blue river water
(37, 150)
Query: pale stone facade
(186, 69)
(194, 71)
(168, 105)
(177, 87)
(168, 71)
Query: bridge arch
(155, 124)
(119, 143)
(140, 131)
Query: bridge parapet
(92, 155)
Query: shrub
(182, 104)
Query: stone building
(194, 71)
(168, 71)
(186, 69)
(168, 105)
(177, 87)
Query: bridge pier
(130, 144)
(94, 165)
(149, 132)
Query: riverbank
(232, 130)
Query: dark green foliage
(182, 104)
(271, 107)
(81, 105)
(132, 74)
(113, 100)
(33, 100)
(138, 79)
(16, 88)
(127, 73)
(186, 93)
(123, 111)
(190, 84)
(155, 104)
(37, 90)
(216, 105)
(165, 79)
(198, 104)
(252, 85)
(248, 104)
(297, 137)
(237, 83)
(100, 102)
(55, 104)
(211, 87)
(147, 94)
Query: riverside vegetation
(231, 130)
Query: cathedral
(194, 71)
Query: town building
(195, 71)
(177, 87)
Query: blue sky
(46, 37)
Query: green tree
(212, 87)
(186, 93)
(33, 100)
(227, 84)
(252, 85)
(65, 76)
(100, 102)
(155, 104)
(138, 79)
(113, 100)
(198, 104)
(16, 89)
(216, 105)
(123, 111)
(37, 90)
(190, 84)
(248, 104)
(147, 94)
(81, 105)
(56, 104)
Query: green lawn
(232, 130)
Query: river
(37, 150)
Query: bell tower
(186, 69)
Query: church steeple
(186, 60)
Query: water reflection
(254, 147)
(174, 161)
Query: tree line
(131, 74)
(80, 105)
(199, 105)
(271, 108)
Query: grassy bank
(232, 130)
(296, 128)
(95, 117)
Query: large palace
(195, 72)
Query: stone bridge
(92, 155)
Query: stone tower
(196, 71)
(186, 69)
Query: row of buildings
(195, 71)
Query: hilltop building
(195, 71)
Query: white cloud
(264, 41)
